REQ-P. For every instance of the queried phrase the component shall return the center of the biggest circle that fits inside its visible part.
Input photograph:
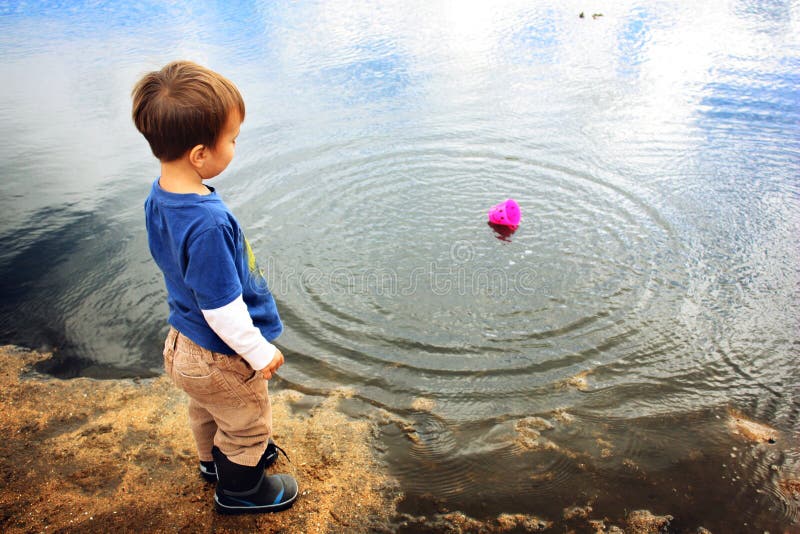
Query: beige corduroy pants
(228, 401)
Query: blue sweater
(207, 263)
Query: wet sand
(87, 455)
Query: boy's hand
(276, 362)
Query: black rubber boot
(247, 490)
(209, 471)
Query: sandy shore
(116, 455)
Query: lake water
(651, 288)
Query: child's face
(222, 153)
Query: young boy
(221, 312)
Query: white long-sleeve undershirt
(233, 324)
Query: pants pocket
(206, 384)
(252, 383)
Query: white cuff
(233, 324)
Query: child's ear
(197, 156)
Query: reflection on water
(652, 284)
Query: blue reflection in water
(633, 38)
(76, 18)
(752, 100)
(379, 72)
(539, 40)
(156, 25)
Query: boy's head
(183, 105)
